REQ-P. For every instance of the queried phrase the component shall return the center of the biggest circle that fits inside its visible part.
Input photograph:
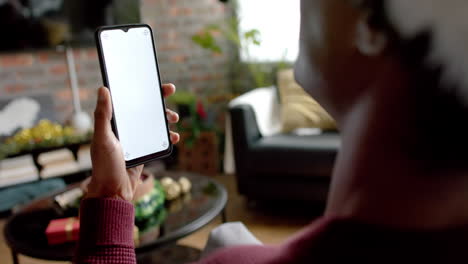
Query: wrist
(98, 195)
(95, 191)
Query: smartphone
(129, 67)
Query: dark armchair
(282, 166)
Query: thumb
(103, 112)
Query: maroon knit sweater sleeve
(106, 232)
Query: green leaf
(182, 98)
(206, 40)
(213, 27)
(253, 36)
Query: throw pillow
(298, 108)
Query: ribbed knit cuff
(106, 221)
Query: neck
(376, 180)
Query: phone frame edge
(153, 156)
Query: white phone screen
(129, 58)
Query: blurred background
(35, 31)
(248, 131)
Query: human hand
(110, 177)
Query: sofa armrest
(254, 114)
(245, 130)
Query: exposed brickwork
(12, 60)
(181, 62)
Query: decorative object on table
(171, 188)
(185, 185)
(178, 204)
(148, 201)
(70, 199)
(198, 149)
(63, 230)
(195, 214)
(149, 204)
(151, 229)
(174, 189)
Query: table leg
(223, 216)
(14, 256)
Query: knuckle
(102, 142)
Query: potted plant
(247, 74)
(198, 149)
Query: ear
(368, 41)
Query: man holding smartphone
(388, 71)
(111, 178)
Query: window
(278, 22)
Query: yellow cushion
(298, 108)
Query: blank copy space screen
(136, 95)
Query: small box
(63, 230)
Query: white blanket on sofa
(265, 104)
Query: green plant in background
(261, 74)
(194, 118)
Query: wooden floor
(271, 225)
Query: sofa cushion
(304, 156)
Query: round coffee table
(25, 231)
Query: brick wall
(181, 62)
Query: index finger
(168, 89)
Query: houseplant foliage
(246, 73)
(199, 149)
(194, 118)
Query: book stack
(57, 163)
(17, 170)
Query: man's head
(345, 44)
(338, 57)
(346, 47)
